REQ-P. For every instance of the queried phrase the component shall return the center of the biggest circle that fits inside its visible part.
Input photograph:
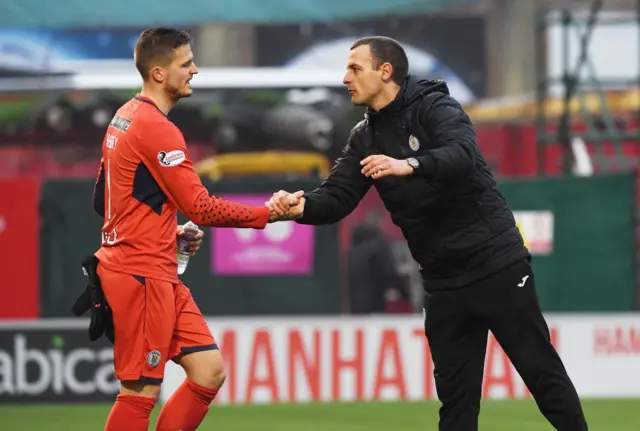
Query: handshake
(285, 206)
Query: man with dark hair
(391, 51)
(145, 177)
(417, 146)
(156, 46)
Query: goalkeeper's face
(180, 72)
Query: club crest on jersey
(414, 144)
(153, 358)
(171, 158)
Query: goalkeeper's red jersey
(145, 177)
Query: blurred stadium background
(315, 337)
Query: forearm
(217, 212)
(326, 206)
(340, 193)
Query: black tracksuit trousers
(457, 324)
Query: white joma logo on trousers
(524, 280)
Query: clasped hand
(285, 206)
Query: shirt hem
(131, 271)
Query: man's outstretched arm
(167, 160)
(337, 196)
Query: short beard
(175, 94)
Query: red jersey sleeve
(164, 152)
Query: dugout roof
(142, 13)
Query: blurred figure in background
(372, 270)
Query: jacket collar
(394, 106)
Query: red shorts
(154, 321)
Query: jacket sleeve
(453, 135)
(98, 191)
(340, 192)
(166, 156)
